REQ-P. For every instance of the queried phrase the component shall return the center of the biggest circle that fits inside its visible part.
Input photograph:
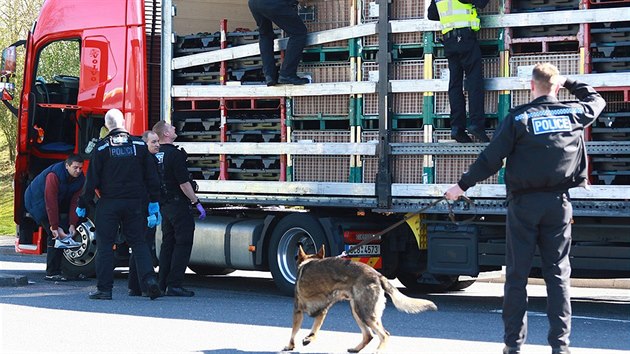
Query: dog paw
(308, 339)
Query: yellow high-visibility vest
(454, 14)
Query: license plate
(365, 250)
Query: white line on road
(542, 314)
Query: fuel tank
(224, 242)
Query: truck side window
(56, 87)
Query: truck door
(47, 118)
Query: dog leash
(451, 216)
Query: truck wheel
(427, 283)
(81, 262)
(292, 231)
(461, 285)
(208, 270)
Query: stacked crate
(335, 168)
(408, 64)
(407, 107)
(609, 45)
(328, 111)
(199, 120)
(449, 168)
(321, 15)
(246, 120)
(561, 45)
(324, 118)
(332, 62)
(254, 120)
(245, 70)
(405, 45)
(405, 168)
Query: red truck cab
(80, 62)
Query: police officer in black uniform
(460, 24)
(124, 172)
(177, 200)
(284, 14)
(546, 155)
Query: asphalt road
(244, 313)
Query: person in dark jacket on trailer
(284, 14)
(546, 156)
(460, 24)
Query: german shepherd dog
(321, 282)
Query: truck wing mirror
(7, 89)
(7, 70)
(7, 66)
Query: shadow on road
(256, 301)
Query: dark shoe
(132, 292)
(56, 277)
(511, 350)
(270, 81)
(461, 137)
(179, 292)
(153, 289)
(100, 295)
(293, 80)
(480, 134)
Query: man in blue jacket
(51, 200)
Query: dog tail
(404, 303)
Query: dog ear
(301, 256)
(321, 252)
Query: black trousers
(284, 14)
(178, 229)
(54, 256)
(544, 220)
(130, 215)
(134, 281)
(464, 56)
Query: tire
(461, 284)
(430, 284)
(81, 262)
(208, 270)
(294, 230)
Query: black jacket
(121, 169)
(543, 144)
(172, 162)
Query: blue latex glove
(154, 208)
(151, 221)
(80, 212)
(202, 211)
(154, 220)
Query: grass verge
(7, 226)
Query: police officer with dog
(177, 200)
(123, 171)
(546, 155)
